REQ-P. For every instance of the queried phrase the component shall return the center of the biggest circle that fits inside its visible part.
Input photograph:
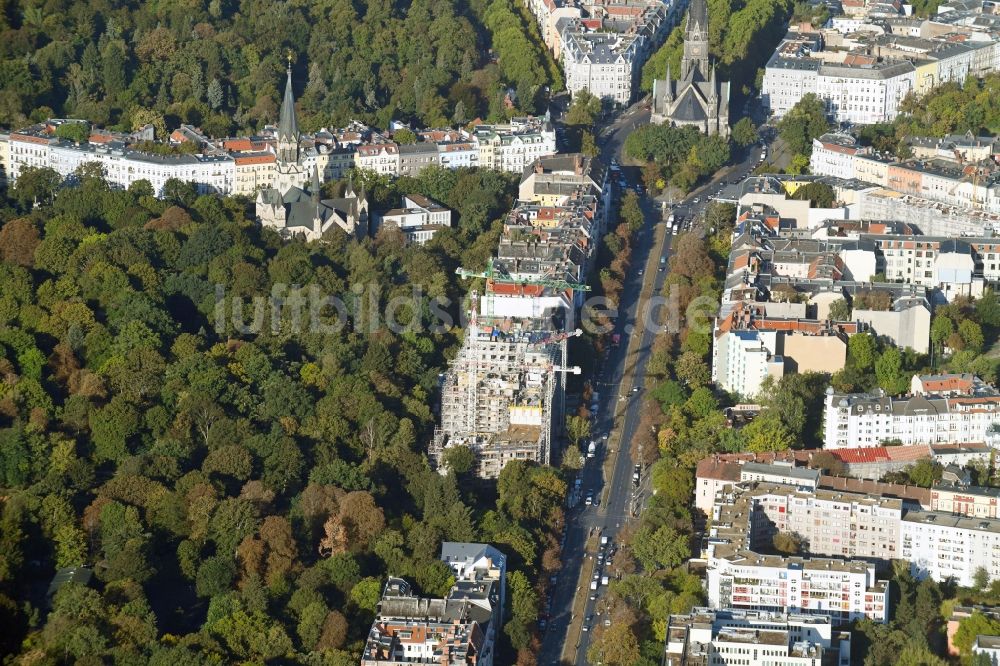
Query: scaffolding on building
(502, 394)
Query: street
(618, 415)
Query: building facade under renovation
(503, 393)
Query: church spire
(694, 64)
(697, 16)
(288, 126)
(670, 85)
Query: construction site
(503, 395)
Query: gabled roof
(690, 107)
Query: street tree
(577, 428)
(584, 110)
(744, 132)
(804, 122)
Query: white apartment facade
(844, 590)
(754, 638)
(942, 546)
(864, 420)
(834, 155)
(599, 63)
(742, 360)
(511, 148)
(786, 81)
(381, 158)
(745, 520)
(865, 95)
(419, 218)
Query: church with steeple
(290, 171)
(697, 98)
(292, 210)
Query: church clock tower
(695, 61)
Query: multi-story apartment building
(947, 178)
(706, 637)
(414, 158)
(419, 218)
(847, 525)
(503, 394)
(831, 523)
(965, 500)
(861, 87)
(558, 179)
(864, 91)
(600, 62)
(459, 630)
(942, 546)
(834, 155)
(871, 419)
(500, 397)
(749, 346)
(514, 146)
(791, 72)
(607, 62)
(382, 158)
(739, 575)
(247, 165)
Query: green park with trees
(221, 65)
(241, 498)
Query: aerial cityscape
(500, 333)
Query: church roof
(689, 106)
(288, 126)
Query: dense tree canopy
(681, 155)
(221, 64)
(240, 496)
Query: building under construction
(503, 394)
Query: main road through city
(617, 377)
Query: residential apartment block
(501, 397)
(863, 68)
(855, 88)
(503, 394)
(706, 637)
(750, 346)
(953, 179)
(459, 630)
(941, 546)
(419, 218)
(867, 531)
(739, 573)
(872, 419)
(248, 165)
(600, 63)
(790, 468)
(604, 52)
